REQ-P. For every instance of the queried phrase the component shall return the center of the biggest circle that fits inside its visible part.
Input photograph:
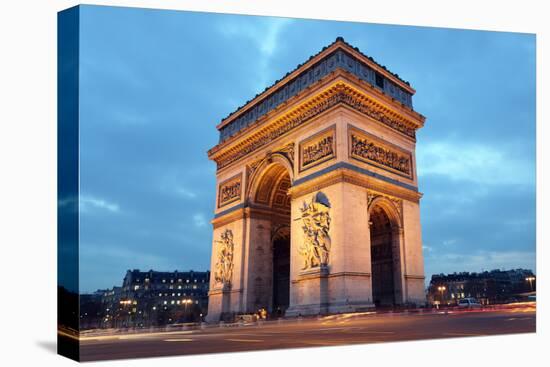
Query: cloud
(199, 220)
(186, 193)
(145, 133)
(89, 203)
(482, 164)
(265, 36)
(449, 242)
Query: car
(469, 303)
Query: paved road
(326, 331)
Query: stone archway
(385, 244)
(281, 269)
(269, 253)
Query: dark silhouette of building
(148, 299)
(91, 309)
(488, 287)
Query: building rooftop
(338, 54)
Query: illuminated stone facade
(317, 187)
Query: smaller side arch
(390, 209)
(388, 254)
(266, 166)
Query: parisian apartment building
(148, 299)
(487, 287)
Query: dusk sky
(155, 83)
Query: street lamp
(441, 289)
(186, 302)
(530, 279)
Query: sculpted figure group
(224, 265)
(368, 150)
(316, 224)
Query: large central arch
(269, 253)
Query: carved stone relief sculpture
(317, 149)
(224, 264)
(315, 218)
(370, 150)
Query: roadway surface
(324, 331)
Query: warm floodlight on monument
(317, 195)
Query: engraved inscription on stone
(317, 149)
(230, 191)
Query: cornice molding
(349, 176)
(255, 212)
(340, 93)
(339, 44)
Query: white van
(469, 303)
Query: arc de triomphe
(317, 203)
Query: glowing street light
(530, 279)
(441, 289)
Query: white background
(28, 182)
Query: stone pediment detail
(288, 152)
(340, 93)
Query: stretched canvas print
(234, 183)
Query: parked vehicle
(469, 303)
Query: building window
(379, 80)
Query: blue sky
(154, 84)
